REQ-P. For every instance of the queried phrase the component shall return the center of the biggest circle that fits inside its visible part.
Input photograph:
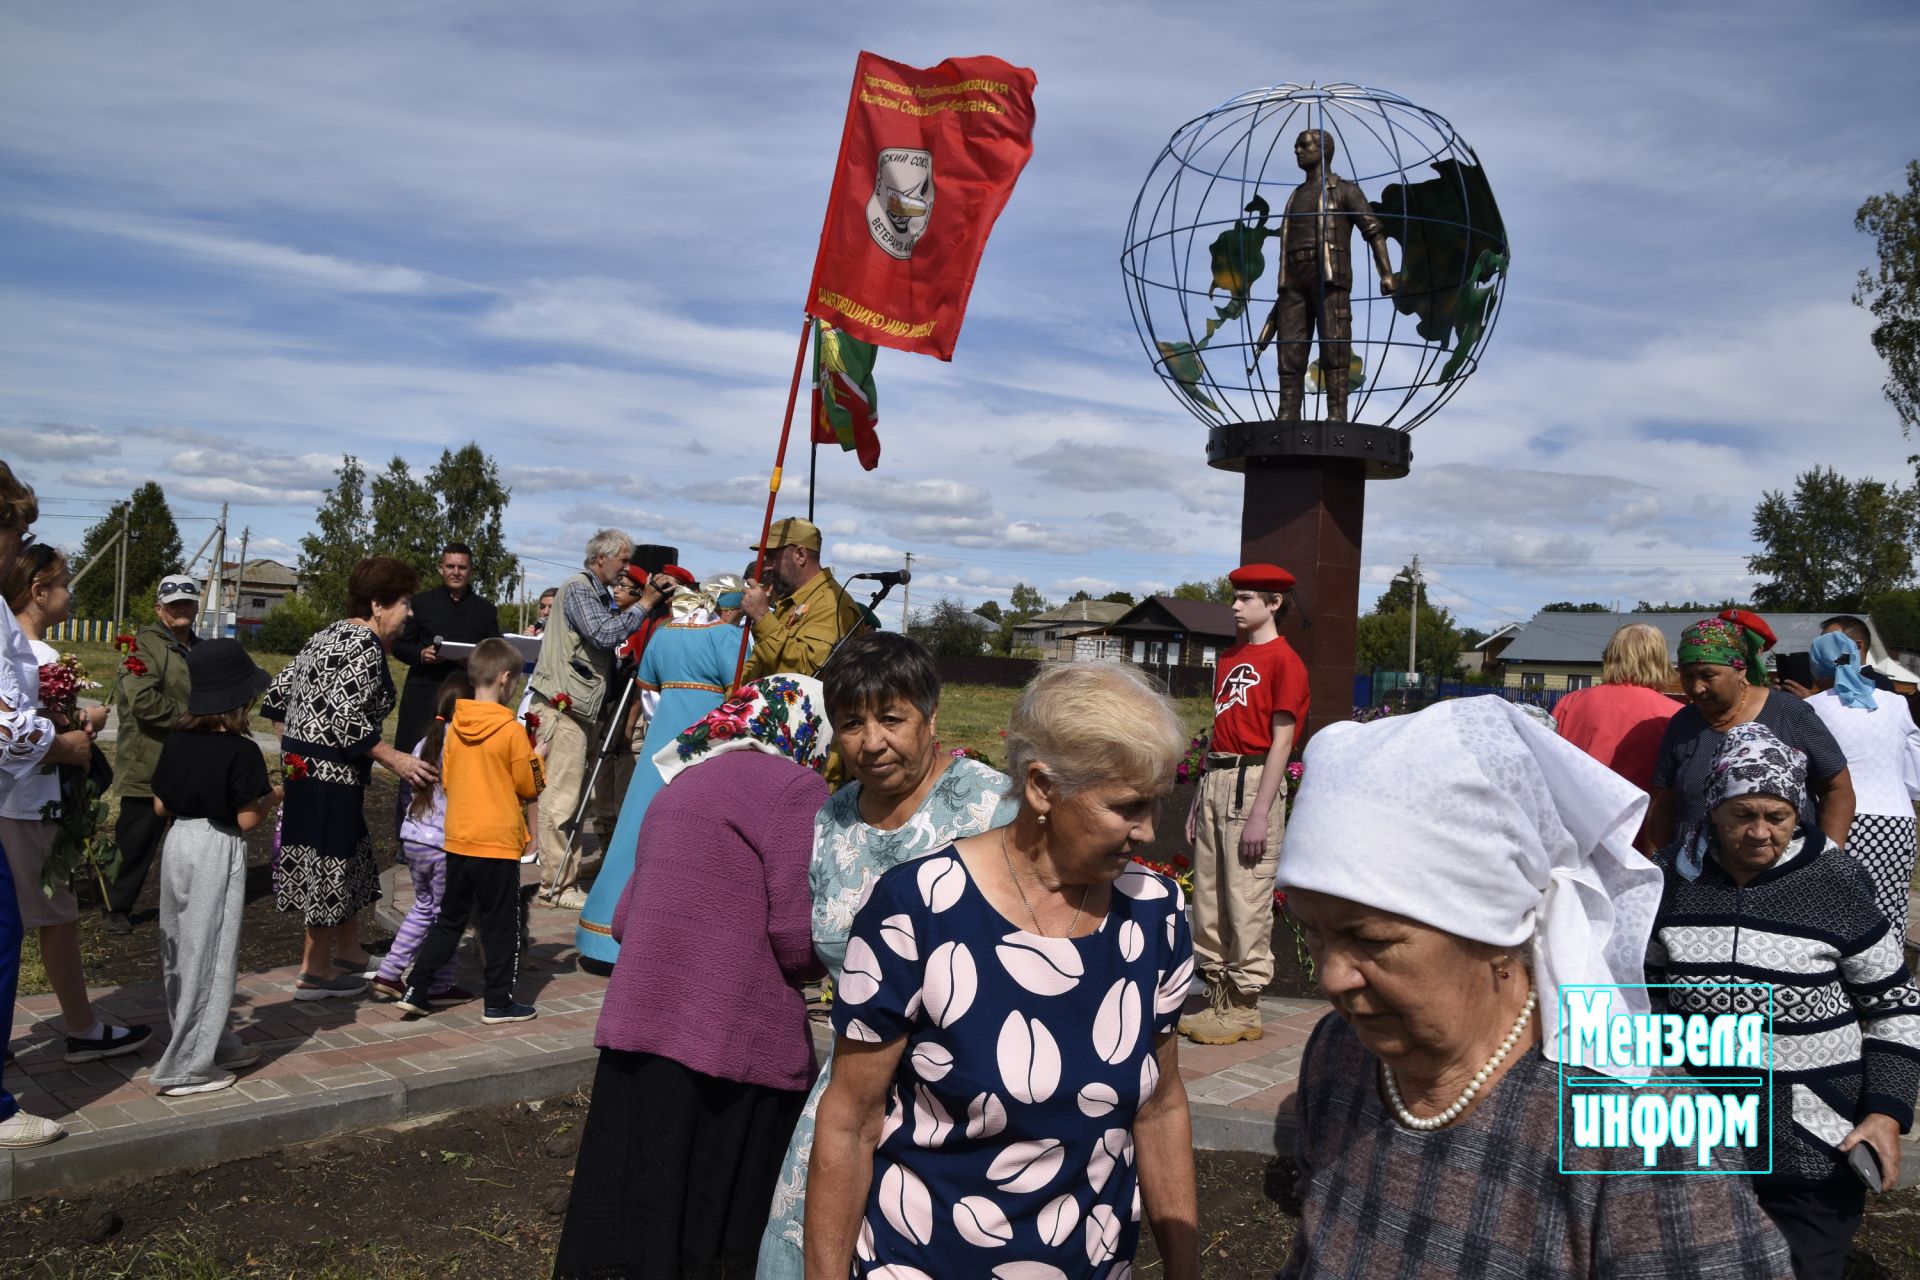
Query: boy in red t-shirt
(1239, 816)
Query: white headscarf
(1472, 818)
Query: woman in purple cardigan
(705, 1053)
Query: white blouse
(25, 735)
(1882, 748)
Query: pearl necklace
(1452, 1113)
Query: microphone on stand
(890, 579)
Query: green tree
(1690, 606)
(1471, 636)
(1119, 597)
(1896, 615)
(1568, 606)
(339, 541)
(473, 505)
(1398, 598)
(1833, 543)
(1380, 640)
(948, 630)
(1025, 602)
(990, 610)
(1080, 595)
(1892, 293)
(1217, 591)
(404, 519)
(153, 552)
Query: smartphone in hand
(1862, 1160)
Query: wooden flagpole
(773, 486)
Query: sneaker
(118, 924)
(569, 900)
(386, 988)
(451, 995)
(222, 1081)
(22, 1130)
(117, 1041)
(415, 1001)
(312, 986)
(515, 1012)
(245, 1056)
(358, 968)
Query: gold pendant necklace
(1004, 853)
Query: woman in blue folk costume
(689, 665)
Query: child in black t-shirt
(212, 781)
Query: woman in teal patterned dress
(908, 799)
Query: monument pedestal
(1303, 508)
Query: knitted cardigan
(715, 924)
(1846, 1017)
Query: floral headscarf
(782, 715)
(1752, 760)
(1728, 642)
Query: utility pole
(120, 573)
(220, 574)
(906, 596)
(524, 616)
(1413, 579)
(240, 578)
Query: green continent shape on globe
(1183, 363)
(1442, 225)
(1237, 261)
(1470, 308)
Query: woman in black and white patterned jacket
(1753, 895)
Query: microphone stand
(878, 596)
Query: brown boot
(1208, 1019)
(1236, 1018)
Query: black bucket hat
(224, 677)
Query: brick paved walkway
(329, 1066)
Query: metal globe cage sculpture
(1201, 288)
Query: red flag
(927, 161)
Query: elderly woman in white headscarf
(1452, 870)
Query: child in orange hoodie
(490, 772)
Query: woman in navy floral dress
(1006, 1098)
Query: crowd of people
(740, 786)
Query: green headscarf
(1726, 644)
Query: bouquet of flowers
(82, 832)
(1178, 869)
(970, 753)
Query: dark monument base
(1304, 506)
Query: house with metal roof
(1559, 652)
(1161, 631)
(1051, 634)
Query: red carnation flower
(297, 765)
(126, 644)
(135, 667)
(561, 701)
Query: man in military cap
(797, 610)
(1239, 815)
(1316, 276)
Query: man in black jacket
(447, 612)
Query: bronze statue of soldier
(1316, 276)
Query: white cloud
(56, 441)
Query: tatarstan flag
(846, 408)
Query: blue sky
(239, 240)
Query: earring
(1043, 819)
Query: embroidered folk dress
(1008, 1136)
(848, 857)
(692, 666)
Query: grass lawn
(972, 715)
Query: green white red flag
(928, 160)
(846, 407)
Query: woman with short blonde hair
(1620, 722)
(1006, 1075)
